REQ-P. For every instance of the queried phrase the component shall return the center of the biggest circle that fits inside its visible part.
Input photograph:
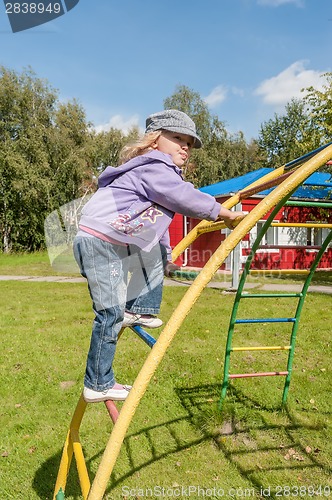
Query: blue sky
(121, 59)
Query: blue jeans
(106, 267)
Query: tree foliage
(287, 137)
(305, 125)
(319, 107)
(50, 155)
(42, 157)
(106, 147)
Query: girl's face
(178, 146)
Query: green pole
(318, 204)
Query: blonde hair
(139, 147)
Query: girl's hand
(231, 219)
(170, 269)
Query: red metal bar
(265, 185)
(112, 410)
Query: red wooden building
(281, 247)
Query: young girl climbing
(124, 233)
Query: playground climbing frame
(297, 172)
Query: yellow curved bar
(64, 467)
(72, 444)
(113, 447)
(80, 464)
(206, 226)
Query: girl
(124, 228)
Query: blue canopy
(318, 186)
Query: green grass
(36, 264)
(178, 437)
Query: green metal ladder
(227, 377)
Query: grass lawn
(178, 437)
(36, 264)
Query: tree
(67, 147)
(319, 106)
(25, 104)
(106, 147)
(42, 157)
(289, 136)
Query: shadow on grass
(254, 438)
(45, 479)
(255, 442)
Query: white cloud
(280, 89)
(277, 3)
(119, 122)
(237, 91)
(216, 96)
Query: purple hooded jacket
(135, 203)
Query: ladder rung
(262, 374)
(263, 348)
(268, 295)
(266, 320)
(309, 204)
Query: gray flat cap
(173, 121)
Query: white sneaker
(91, 396)
(131, 319)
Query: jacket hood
(111, 173)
